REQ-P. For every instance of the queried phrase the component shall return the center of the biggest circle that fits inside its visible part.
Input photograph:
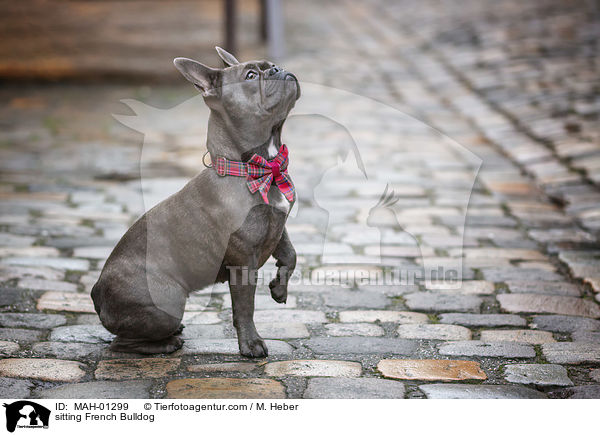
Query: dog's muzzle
(276, 73)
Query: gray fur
(228, 58)
(212, 226)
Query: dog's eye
(251, 75)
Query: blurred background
(527, 75)
(65, 64)
(105, 40)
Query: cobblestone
(519, 274)
(42, 284)
(350, 299)
(443, 302)
(549, 288)
(200, 318)
(382, 316)
(565, 323)
(55, 263)
(53, 370)
(283, 316)
(361, 345)
(571, 353)
(346, 388)
(264, 302)
(582, 264)
(480, 348)
(525, 303)
(282, 330)
(8, 348)
(13, 388)
(467, 288)
(305, 368)
(68, 350)
(17, 272)
(483, 319)
(459, 391)
(518, 335)
(20, 335)
(537, 374)
(589, 336)
(431, 370)
(124, 369)
(235, 367)
(9, 296)
(225, 388)
(580, 392)
(354, 329)
(434, 332)
(230, 347)
(98, 390)
(62, 301)
(34, 251)
(501, 253)
(204, 331)
(93, 252)
(24, 320)
(81, 333)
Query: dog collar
(260, 173)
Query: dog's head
(252, 97)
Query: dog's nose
(274, 70)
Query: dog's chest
(268, 222)
(276, 198)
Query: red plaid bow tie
(260, 173)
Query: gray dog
(222, 226)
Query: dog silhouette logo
(26, 414)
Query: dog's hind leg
(285, 254)
(151, 330)
(133, 345)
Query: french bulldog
(215, 229)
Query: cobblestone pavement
(516, 83)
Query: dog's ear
(206, 79)
(228, 58)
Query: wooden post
(263, 21)
(230, 26)
(275, 32)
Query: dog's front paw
(253, 348)
(278, 291)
